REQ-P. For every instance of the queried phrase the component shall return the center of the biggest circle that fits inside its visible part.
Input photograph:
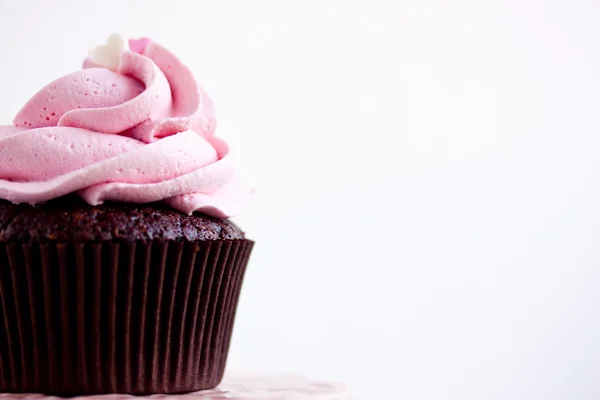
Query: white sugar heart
(109, 54)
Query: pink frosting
(140, 134)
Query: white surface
(233, 387)
(427, 174)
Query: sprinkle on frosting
(109, 54)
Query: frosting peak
(132, 126)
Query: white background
(426, 214)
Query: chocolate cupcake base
(137, 317)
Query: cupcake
(119, 269)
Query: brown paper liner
(108, 317)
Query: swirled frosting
(140, 132)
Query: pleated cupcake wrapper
(108, 317)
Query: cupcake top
(132, 126)
(70, 220)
